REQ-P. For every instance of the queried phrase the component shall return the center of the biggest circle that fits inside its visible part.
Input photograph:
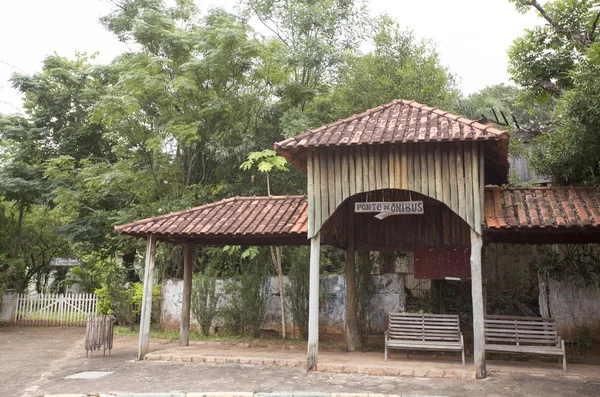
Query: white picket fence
(55, 309)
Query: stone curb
(234, 394)
(262, 345)
(334, 368)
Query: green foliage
(578, 263)
(584, 337)
(246, 309)
(204, 299)
(573, 153)
(398, 67)
(365, 289)
(561, 59)
(265, 161)
(125, 303)
(298, 287)
(316, 35)
(165, 126)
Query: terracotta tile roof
(399, 121)
(281, 220)
(542, 208)
(395, 122)
(230, 219)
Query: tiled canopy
(531, 214)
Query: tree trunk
(15, 250)
(543, 295)
(401, 293)
(276, 259)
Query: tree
(572, 154)
(543, 58)
(399, 66)
(21, 171)
(559, 59)
(267, 161)
(504, 99)
(316, 35)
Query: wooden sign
(68, 262)
(387, 208)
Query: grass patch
(173, 336)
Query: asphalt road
(35, 361)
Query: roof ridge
(410, 103)
(308, 134)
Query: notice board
(440, 263)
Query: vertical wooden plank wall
(449, 172)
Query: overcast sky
(472, 35)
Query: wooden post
(188, 268)
(144, 340)
(350, 282)
(477, 295)
(313, 304)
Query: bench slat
(551, 350)
(518, 322)
(404, 326)
(519, 318)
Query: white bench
(408, 331)
(529, 335)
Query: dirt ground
(35, 361)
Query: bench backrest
(520, 330)
(423, 327)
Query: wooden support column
(144, 339)
(350, 283)
(477, 295)
(313, 304)
(188, 267)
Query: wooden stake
(477, 296)
(188, 268)
(144, 340)
(313, 304)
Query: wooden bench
(408, 331)
(530, 335)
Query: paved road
(34, 362)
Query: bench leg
(462, 342)
(562, 343)
(385, 354)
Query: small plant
(245, 313)
(298, 289)
(579, 263)
(584, 337)
(513, 296)
(204, 299)
(125, 303)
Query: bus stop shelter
(397, 177)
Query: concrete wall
(503, 264)
(572, 306)
(332, 309)
(8, 307)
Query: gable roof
(402, 122)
